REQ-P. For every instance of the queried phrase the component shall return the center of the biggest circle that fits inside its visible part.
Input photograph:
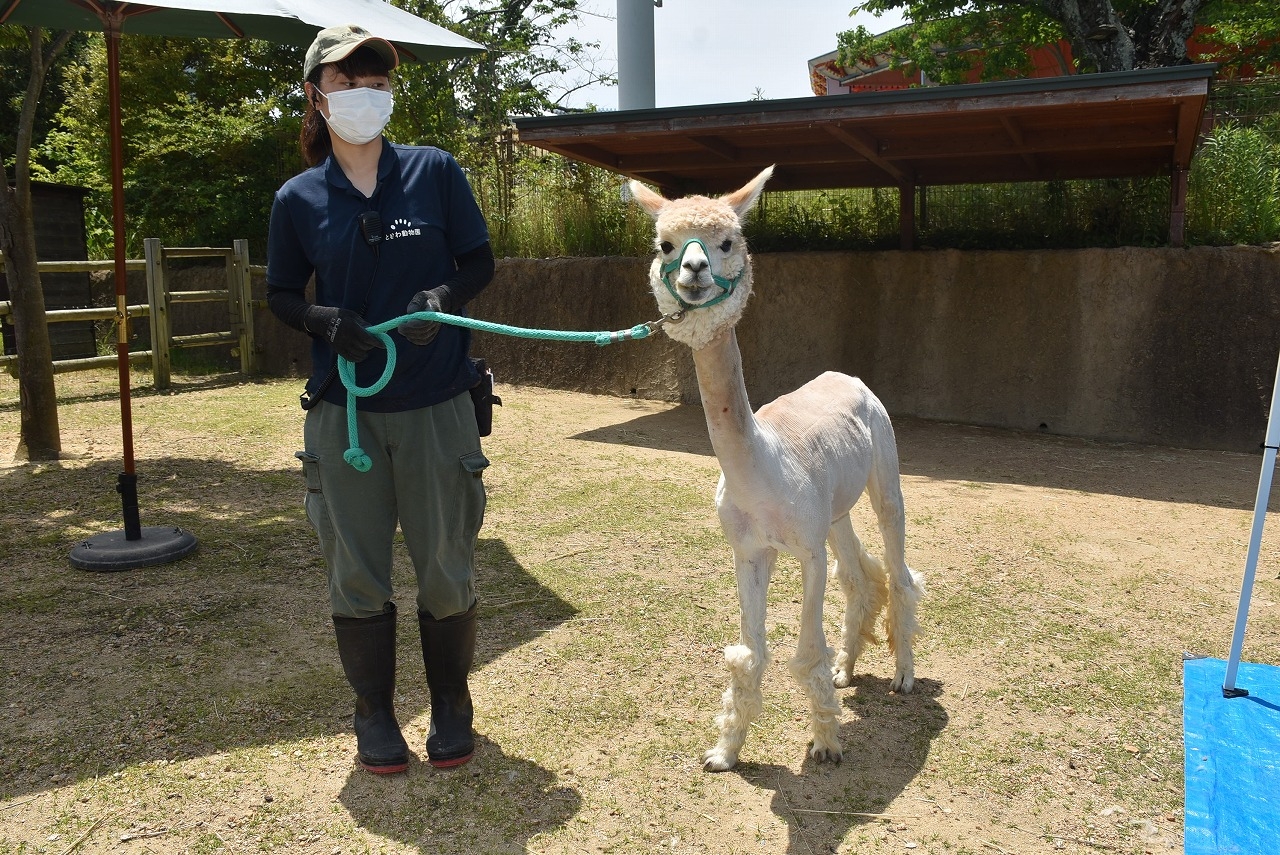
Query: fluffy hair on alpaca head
(714, 222)
(790, 474)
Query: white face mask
(359, 115)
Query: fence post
(158, 299)
(240, 293)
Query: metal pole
(127, 485)
(635, 55)
(1271, 444)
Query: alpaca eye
(726, 246)
(666, 247)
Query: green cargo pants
(426, 475)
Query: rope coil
(356, 456)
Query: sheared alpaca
(789, 476)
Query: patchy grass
(199, 707)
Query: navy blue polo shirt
(429, 216)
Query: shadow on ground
(229, 647)
(434, 810)
(886, 743)
(932, 450)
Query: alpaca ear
(743, 199)
(646, 198)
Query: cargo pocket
(317, 509)
(473, 496)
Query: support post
(158, 300)
(1178, 207)
(907, 216)
(240, 291)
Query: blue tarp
(1232, 750)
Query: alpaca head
(702, 267)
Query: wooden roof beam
(716, 146)
(1015, 133)
(1188, 131)
(866, 145)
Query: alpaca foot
(903, 681)
(841, 677)
(827, 754)
(719, 760)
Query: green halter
(726, 285)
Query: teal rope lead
(356, 456)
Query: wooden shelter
(1117, 125)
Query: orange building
(828, 77)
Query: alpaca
(790, 474)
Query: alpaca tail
(900, 619)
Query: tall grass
(552, 206)
(1236, 175)
(544, 205)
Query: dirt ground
(197, 706)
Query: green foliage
(1239, 170)
(15, 61)
(1237, 25)
(558, 207)
(208, 128)
(950, 40)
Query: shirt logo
(401, 227)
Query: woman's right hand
(344, 329)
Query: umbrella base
(112, 550)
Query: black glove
(344, 329)
(422, 332)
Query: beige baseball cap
(335, 43)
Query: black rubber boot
(367, 647)
(448, 648)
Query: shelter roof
(1119, 124)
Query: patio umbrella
(288, 21)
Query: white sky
(717, 51)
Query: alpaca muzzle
(701, 270)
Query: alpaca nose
(694, 265)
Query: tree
(1237, 29)
(39, 436)
(528, 69)
(952, 37)
(210, 131)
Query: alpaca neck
(735, 434)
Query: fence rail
(238, 295)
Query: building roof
(1119, 124)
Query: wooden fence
(238, 296)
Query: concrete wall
(1176, 347)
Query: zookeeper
(386, 230)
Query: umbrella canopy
(288, 21)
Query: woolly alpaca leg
(906, 586)
(743, 699)
(862, 579)
(811, 665)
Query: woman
(386, 230)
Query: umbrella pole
(135, 546)
(128, 481)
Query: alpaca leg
(906, 586)
(862, 579)
(743, 699)
(811, 665)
